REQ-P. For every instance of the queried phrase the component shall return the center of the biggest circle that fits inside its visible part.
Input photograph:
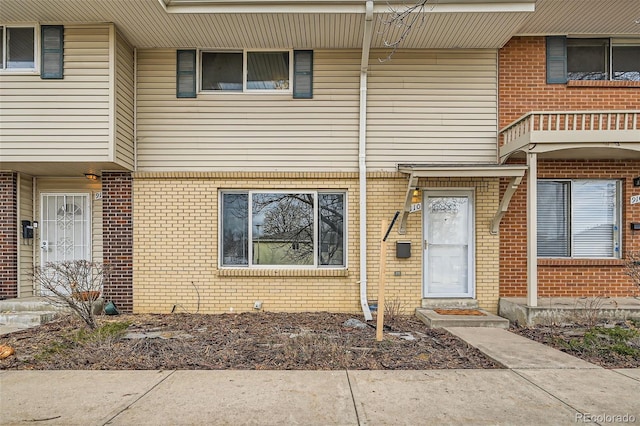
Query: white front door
(65, 222)
(448, 244)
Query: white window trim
(36, 50)
(244, 91)
(315, 265)
(617, 238)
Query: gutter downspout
(135, 109)
(362, 156)
(34, 241)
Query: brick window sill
(602, 83)
(581, 262)
(248, 272)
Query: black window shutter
(186, 74)
(52, 42)
(303, 74)
(556, 60)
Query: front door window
(448, 232)
(66, 231)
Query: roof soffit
(331, 24)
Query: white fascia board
(272, 6)
(466, 7)
(474, 171)
(328, 6)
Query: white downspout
(135, 109)
(362, 157)
(34, 241)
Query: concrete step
(435, 320)
(28, 304)
(27, 318)
(453, 303)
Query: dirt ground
(248, 341)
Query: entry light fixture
(415, 196)
(636, 181)
(91, 176)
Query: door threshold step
(450, 303)
(435, 320)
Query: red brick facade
(569, 277)
(523, 88)
(117, 192)
(8, 235)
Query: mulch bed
(247, 341)
(599, 350)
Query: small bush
(75, 284)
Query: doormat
(473, 312)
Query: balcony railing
(571, 121)
(551, 131)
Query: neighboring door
(448, 244)
(65, 222)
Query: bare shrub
(393, 309)
(589, 310)
(633, 268)
(75, 284)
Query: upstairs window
(302, 229)
(579, 218)
(592, 59)
(18, 48)
(246, 71)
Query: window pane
(222, 71)
(235, 229)
(20, 42)
(626, 63)
(553, 220)
(587, 59)
(594, 207)
(331, 229)
(283, 229)
(268, 70)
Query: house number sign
(635, 199)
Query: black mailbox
(403, 249)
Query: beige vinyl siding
(124, 97)
(225, 131)
(71, 186)
(432, 106)
(61, 120)
(26, 246)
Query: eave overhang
(417, 171)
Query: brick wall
(118, 238)
(8, 235)
(523, 88)
(176, 245)
(570, 277)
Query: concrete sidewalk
(477, 397)
(541, 386)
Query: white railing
(571, 121)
